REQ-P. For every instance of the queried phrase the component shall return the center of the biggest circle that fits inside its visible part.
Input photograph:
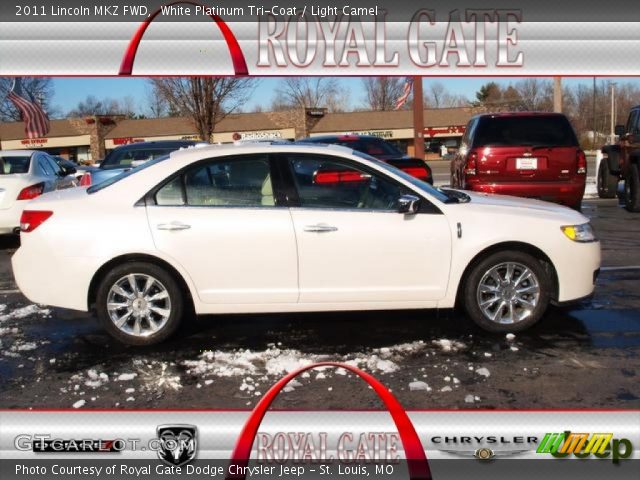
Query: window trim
(149, 199)
(426, 205)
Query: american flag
(36, 122)
(402, 99)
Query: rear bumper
(10, 218)
(567, 193)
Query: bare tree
(382, 92)
(308, 92)
(438, 96)
(39, 89)
(207, 100)
(156, 106)
(107, 106)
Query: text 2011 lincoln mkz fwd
(290, 228)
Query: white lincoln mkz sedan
(291, 228)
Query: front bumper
(577, 271)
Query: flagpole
(418, 118)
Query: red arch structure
(414, 452)
(237, 57)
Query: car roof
(158, 143)
(519, 114)
(18, 153)
(225, 148)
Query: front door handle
(173, 226)
(321, 227)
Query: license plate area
(526, 163)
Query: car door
(354, 246)
(220, 221)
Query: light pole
(613, 110)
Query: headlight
(579, 233)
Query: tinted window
(123, 175)
(17, 164)
(125, 157)
(371, 146)
(324, 182)
(234, 182)
(552, 131)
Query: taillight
(32, 219)
(30, 192)
(323, 178)
(471, 166)
(85, 180)
(419, 172)
(582, 162)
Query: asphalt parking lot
(586, 356)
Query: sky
(70, 91)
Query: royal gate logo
(585, 445)
(178, 444)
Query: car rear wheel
(607, 182)
(507, 292)
(139, 303)
(632, 189)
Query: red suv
(526, 154)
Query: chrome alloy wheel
(138, 305)
(508, 293)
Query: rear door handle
(173, 226)
(321, 227)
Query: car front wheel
(607, 182)
(139, 303)
(507, 292)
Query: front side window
(324, 182)
(229, 182)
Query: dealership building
(88, 139)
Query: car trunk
(515, 163)
(10, 187)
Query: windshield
(539, 130)
(115, 179)
(424, 186)
(123, 158)
(17, 164)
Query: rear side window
(551, 131)
(17, 164)
(229, 182)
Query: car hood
(525, 207)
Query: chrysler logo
(178, 443)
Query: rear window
(125, 157)
(17, 164)
(371, 146)
(552, 131)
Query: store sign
(451, 130)
(34, 142)
(256, 135)
(127, 140)
(374, 133)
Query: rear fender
(613, 157)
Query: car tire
(527, 276)
(632, 189)
(147, 317)
(607, 182)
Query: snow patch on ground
(125, 377)
(24, 312)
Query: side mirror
(408, 204)
(69, 170)
(619, 130)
